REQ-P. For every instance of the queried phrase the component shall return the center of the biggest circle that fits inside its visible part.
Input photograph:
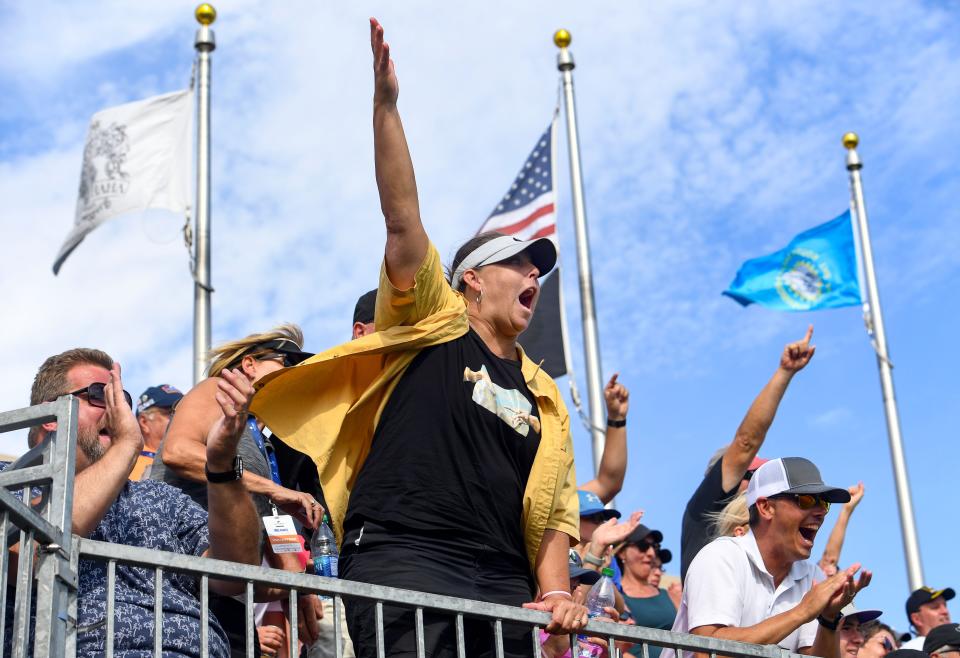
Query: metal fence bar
(204, 616)
(248, 620)
(379, 623)
(21, 607)
(535, 633)
(418, 623)
(337, 626)
(4, 559)
(111, 601)
(498, 637)
(461, 643)
(158, 612)
(294, 610)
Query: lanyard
(267, 454)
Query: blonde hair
(733, 515)
(228, 355)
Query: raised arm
(830, 561)
(407, 242)
(613, 464)
(233, 523)
(754, 426)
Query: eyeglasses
(96, 395)
(887, 644)
(806, 501)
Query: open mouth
(104, 434)
(808, 534)
(526, 297)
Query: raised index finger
(806, 339)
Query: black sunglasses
(97, 396)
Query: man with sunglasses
(108, 507)
(731, 467)
(760, 588)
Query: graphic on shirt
(509, 405)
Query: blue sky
(710, 133)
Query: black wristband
(830, 625)
(226, 476)
(616, 423)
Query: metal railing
(53, 575)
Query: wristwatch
(226, 476)
(830, 625)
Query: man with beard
(759, 588)
(150, 514)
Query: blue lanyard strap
(261, 444)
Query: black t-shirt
(453, 449)
(695, 530)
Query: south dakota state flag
(818, 269)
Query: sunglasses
(575, 558)
(806, 501)
(96, 395)
(887, 644)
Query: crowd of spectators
(441, 455)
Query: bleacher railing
(49, 556)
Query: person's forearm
(769, 631)
(754, 426)
(234, 529)
(96, 487)
(406, 240)
(189, 459)
(551, 570)
(826, 645)
(831, 552)
(613, 464)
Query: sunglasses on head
(96, 395)
(805, 501)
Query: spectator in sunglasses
(641, 561)
(181, 460)
(109, 507)
(878, 640)
(730, 468)
(760, 587)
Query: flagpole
(591, 339)
(874, 320)
(204, 44)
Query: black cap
(365, 308)
(941, 636)
(926, 594)
(642, 534)
(288, 348)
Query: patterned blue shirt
(151, 515)
(154, 515)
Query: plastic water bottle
(601, 596)
(323, 551)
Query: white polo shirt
(727, 584)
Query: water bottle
(601, 596)
(323, 551)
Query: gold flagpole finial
(562, 38)
(205, 14)
(850, 141)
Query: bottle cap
(607, 571)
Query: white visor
(543, 254)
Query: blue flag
(818, 269)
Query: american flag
(528, 209)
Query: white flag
(137, 156)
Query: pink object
(757, 463)
(303, 555)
